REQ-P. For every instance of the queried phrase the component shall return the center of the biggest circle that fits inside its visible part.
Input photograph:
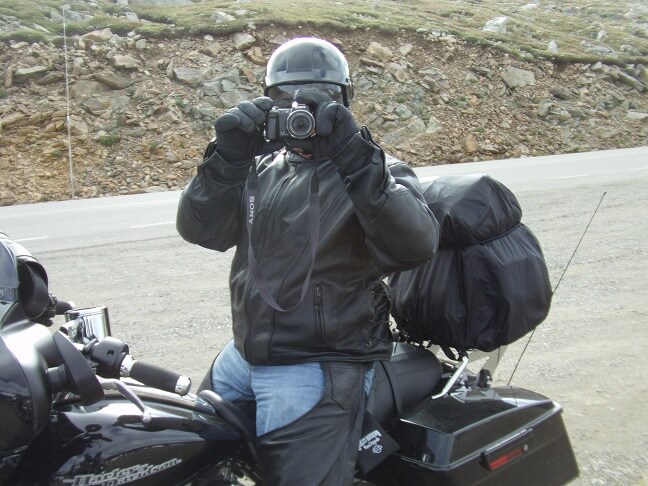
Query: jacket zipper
(319, 314)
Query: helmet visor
(283, 94)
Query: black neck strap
(314, 223)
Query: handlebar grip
(158, 377)
(62, 306)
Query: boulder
(11, 119)
(243, 41)
(255, 54)
(212, 49)
(470, 144)
(642, 73)
(7, 198)
(405, 49)
(78, 127)
(433, 126)
(21, 75)
(544, 109)
(212, 88)
(398, 72)
(631, 81)
(232, 98)
(96, 105)
(561, 93)
(377, 51)
(124, 62)
(518, 78)
(497, 25)
(50, 78)
(220, 17)
(191, 76)
(637, 115)
(84, 88)
(112, 80)
(553, 47)
(98, 36)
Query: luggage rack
(456, 361)
(457, 369)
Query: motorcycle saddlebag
(488, 283)
(503, 436)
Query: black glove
(239, 132)
(334, 124)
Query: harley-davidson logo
(122, 476)
(371, 442)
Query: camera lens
(300, 124)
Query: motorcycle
(77, 409)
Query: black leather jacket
(373, 221)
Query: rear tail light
(507, 452)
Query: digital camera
(295, 122)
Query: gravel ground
(169, 300)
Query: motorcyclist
(317, 223)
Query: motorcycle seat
(402, 382)
(412, 374)
(235, 414)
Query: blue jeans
(283, 393)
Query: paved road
(82, 223)
(170, 301)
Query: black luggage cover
(488, 284)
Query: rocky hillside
(142, 109)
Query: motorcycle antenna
(558, 284)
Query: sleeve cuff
(220, 170)
(356, 154)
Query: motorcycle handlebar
(62, 306)
(114, 360)
(155, 376)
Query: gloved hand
(239, 132)
(334, 124)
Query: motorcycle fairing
(107, 441)
(8, 279)
(23, 284)
(24, 388)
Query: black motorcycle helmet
(312, 62)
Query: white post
(67, 99)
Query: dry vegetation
(575, 25)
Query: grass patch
(29, 11)
(119, 26)
(108, 140)
(157, 31)
(573, 24)
(153, 146)
(24, 35)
